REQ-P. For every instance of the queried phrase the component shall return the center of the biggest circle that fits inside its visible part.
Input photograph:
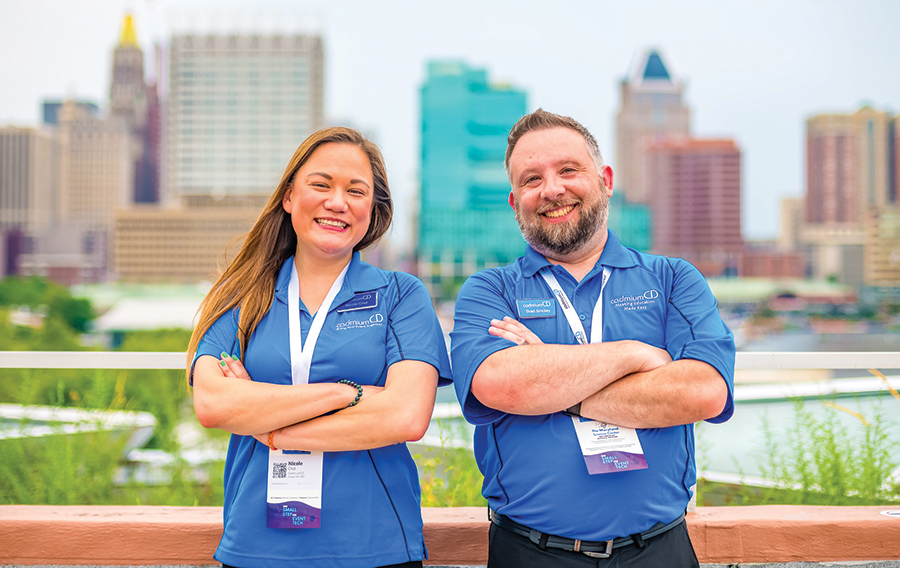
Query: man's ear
(607, 175)
(512, 200)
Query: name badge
(608, 448)
(538, 308)
(294, 490)
(361, 301)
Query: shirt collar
(361, 277)
(614, 255)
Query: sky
(754, 70)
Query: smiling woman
(321, 366)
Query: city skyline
(752, 73)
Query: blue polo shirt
(534, 471)
(371, 513)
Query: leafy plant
(822, 463)
(449, 476)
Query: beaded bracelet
(271, 441)
(358, 391)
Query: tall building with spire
(136, 103)
(127, 90)
(652, 109)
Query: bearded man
(584, 365)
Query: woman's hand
(232, 367)
(515, 331)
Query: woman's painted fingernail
(223, 363)
(225, 355)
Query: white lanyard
(569, 310)
(301, 354)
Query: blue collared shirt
(533, 467)
(370, 499)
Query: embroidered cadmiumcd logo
(375, 320)
(637, 301)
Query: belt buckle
(606, 554)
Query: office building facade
(652, 109)
(237, 109)
(696, 202)
(851, 181)
(465, 222)
(29, 181)
(186, 245)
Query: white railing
(743, 361)
(176, 360)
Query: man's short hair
(543, 120)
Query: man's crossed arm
(627, 383)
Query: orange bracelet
(271, 444)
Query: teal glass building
(631, 222)
(465, 222)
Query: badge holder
(294, 490)
(608, 448)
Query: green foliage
(36, 292)
(61, 469)
(77, 469)
(31, 291)
(162, 393)
(822, 463)
(449, 288)
(449, 476)
(77, 313)
(156, 340)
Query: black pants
(672, 549)
(414, 564)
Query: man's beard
(565, 238)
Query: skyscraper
(850, 172)
(238, 107)
(29, 180)
(696, 202)
(465, 222)
(652, 109)
(127, 90)
(882, 248)
(136, 103)
(98, 156)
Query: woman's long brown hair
(249, 280)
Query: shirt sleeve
(221, 336)
(480, 300)
(414, 331)
(695, 330)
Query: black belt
(595, 549)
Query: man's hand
(513, 330)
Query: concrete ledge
(782, 533)
(118, 536)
